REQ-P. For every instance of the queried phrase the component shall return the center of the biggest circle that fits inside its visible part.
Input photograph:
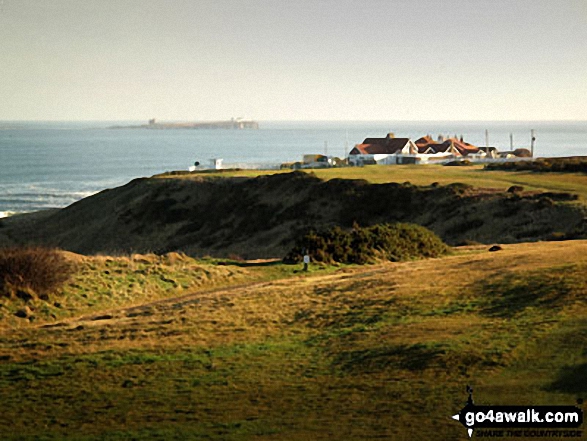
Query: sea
(47, 165)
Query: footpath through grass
(354, 353)
(101, 283)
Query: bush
(459, 162)
(573, 164)
(32, 271)
(392, 242)
(458, 188)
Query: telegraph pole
(532, 141)
(346, 146)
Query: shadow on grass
(571, 379)
(511, 294)
(249, 264)
(410, 357)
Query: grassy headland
(263, 216)
(474, 175)
(165, 346)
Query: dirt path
(527, 256)
(207, 296)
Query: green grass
(101, 283)
(347, 353)
(428, 174)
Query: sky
(197, 60)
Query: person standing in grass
(306, 261)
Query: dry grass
(104, 282)
(360, 353)
(32, 271)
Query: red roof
(460, 147)
(388, 145)
(464, 148)
(377, 146)
(424, 141)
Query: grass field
(211, 350)
(427, 174)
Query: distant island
(233, 123)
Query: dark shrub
(573, 164)
(515, 189)
(461, 162)
(32, 271)
(557, 196)
(361, 245)
(557, 235)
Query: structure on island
(233, 123)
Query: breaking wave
(27, 198)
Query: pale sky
(293, 60)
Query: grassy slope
(100, 283)
(374, 352)
(426, 175)
(260, 218)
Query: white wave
(20, 200)
(252, 165)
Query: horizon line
(298, 120)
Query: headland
(163, 315)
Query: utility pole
(512, 142)
(487, 139)
(532, 141)
(346, 146)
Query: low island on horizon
(233, 123)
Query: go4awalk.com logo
(526, 421)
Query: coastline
(46, 164)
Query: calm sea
(53, 164)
